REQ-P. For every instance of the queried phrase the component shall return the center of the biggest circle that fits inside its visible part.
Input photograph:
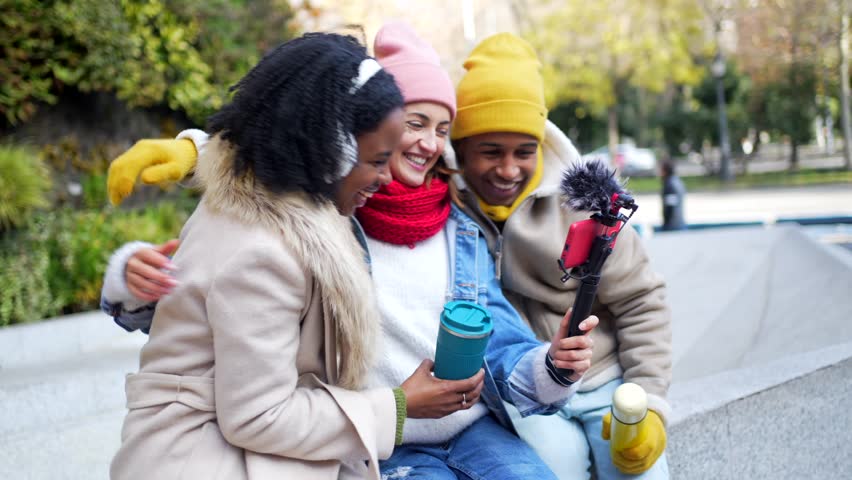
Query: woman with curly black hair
(252, 363)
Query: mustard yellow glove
(638, 458)
(159, 161)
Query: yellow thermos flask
(629, 408)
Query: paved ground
(757, 205)
(62, 396)
(796, 430)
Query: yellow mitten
(638, 458)
(159, 161)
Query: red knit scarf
(404, 215)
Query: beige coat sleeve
(255, 308)
(636, 297)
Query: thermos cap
(466, 319)
(629, 403)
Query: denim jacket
(473, 278)
(509, 365)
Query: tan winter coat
(274, 308)
(633, 338)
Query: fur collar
(323, 241)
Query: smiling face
(497, 166)
(371, 172)
(427, 126)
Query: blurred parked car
(630, 160)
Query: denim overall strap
(465, 284)
(464, 277)
(358, 231)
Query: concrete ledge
(78, 450)
(54, 340)
(693, 398)
(797, 430)
(44, 396)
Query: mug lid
(466, 318)
(629, 403)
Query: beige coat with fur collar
(236, 380)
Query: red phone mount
(589, 242)
(578, 243)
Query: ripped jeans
(485, 450)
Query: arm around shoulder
(129, 312)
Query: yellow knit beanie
(502, 91)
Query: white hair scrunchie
(349, 145)
(366, 70)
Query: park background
(749, 98)
(82, 80)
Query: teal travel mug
(462, 338)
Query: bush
(26, 294)
(148, 52)
(94, 188)
(24, 184)
(56, 264)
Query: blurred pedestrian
(673, 197)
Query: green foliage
(93, 43)
(56, 264)
(693, 116)
(234, 34)
(586, 130)
(166, 65)
(94, 190)
(26, 294)
(789, 105)
(26, 46)
(83, 43)
(149, 52)
(612, 44)
(24, 184)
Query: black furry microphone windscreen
(589, 186)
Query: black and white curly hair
(295, 117)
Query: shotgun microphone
(593, 187)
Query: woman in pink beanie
(424, 251)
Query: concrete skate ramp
(752, 308)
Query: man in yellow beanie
(512, 160)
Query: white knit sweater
(411, 286)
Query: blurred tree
(149, 52)
(234, 34)
(27, 46)
(593, 52)
(843, 48)
(783, 48)
(586, 130)
(691, 118)
(164, 66)
(24, 185)
(790, 107)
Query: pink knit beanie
(415, 66)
